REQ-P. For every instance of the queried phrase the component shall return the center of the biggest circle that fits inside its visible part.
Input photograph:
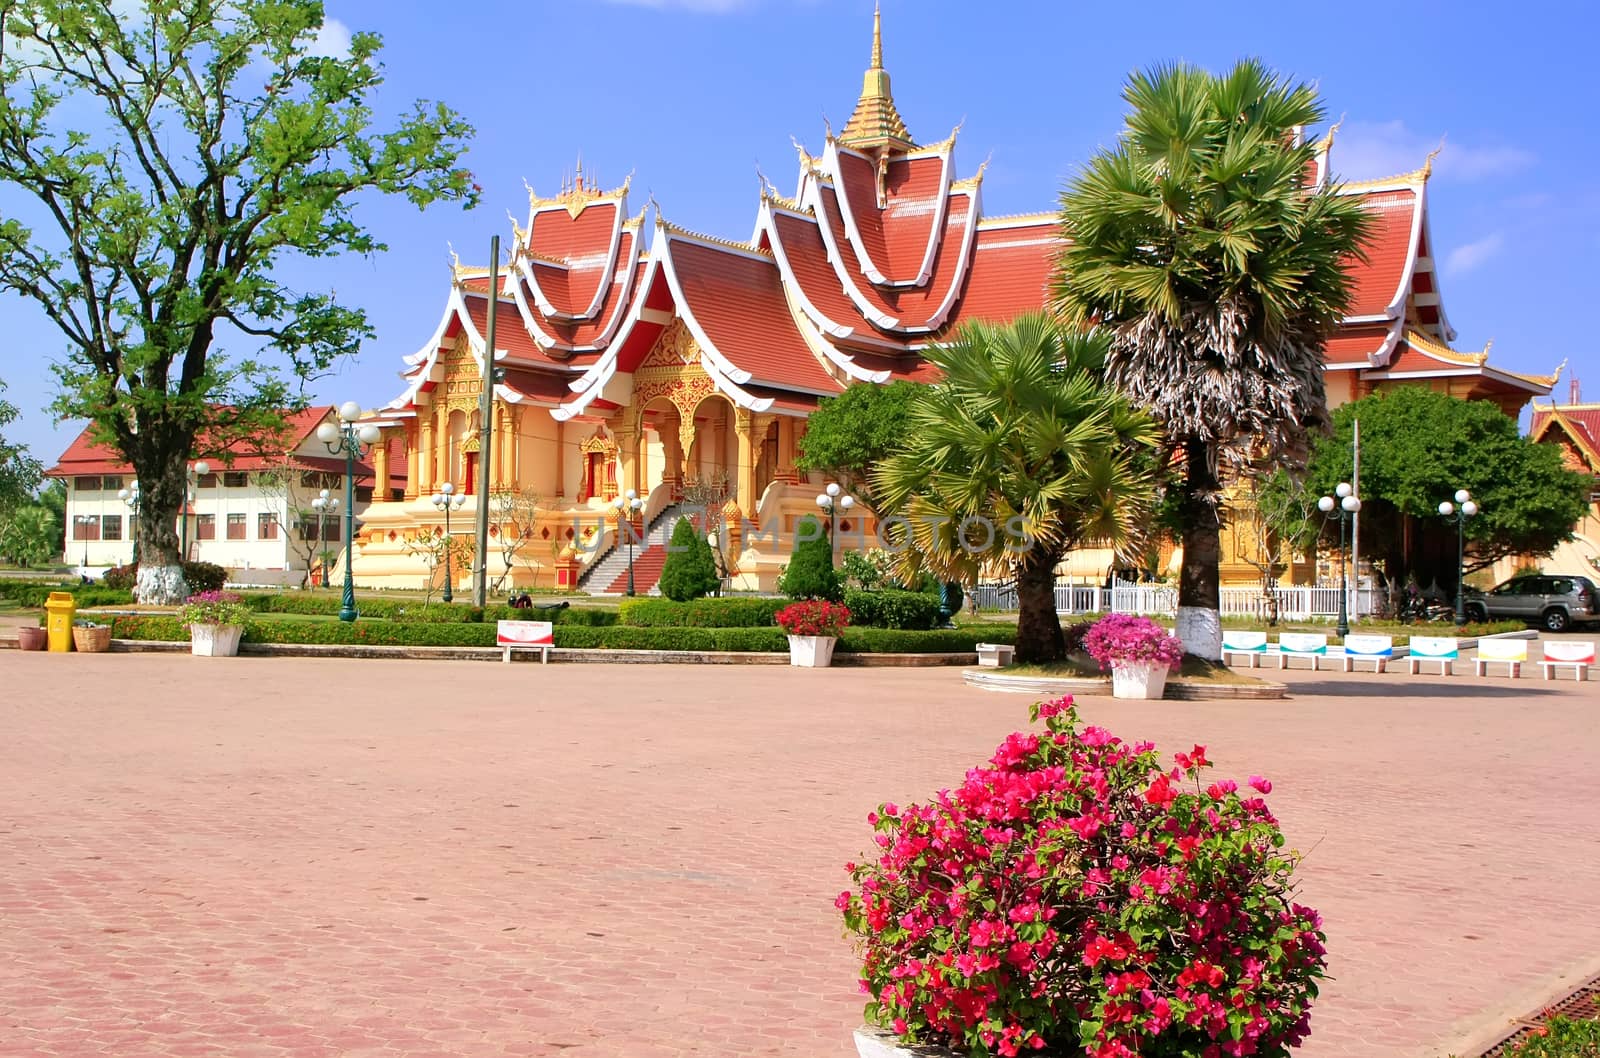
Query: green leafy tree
(1218, 273)
(810, 573)
(849, 434)
(176, 157)
(1019, 454)
(689, 571)
(19, 471)
(29, 535)
(1417, 448)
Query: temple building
(1574, 428)
(641, 357)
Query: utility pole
(480, 580)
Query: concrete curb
(559, 654)
(1176, 690)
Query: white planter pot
(215, 641)
(873, 1042)
(1138, 679)
(811, 652)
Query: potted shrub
(1137, 651)
(813, 628)
(1079, 895)
(216, 621)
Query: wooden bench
(1559, 654)
(995, 655)
(1252, 645)
(1311, 645)
(1425, 649)
(525, 635)
(1376, 649)
(1508, 652)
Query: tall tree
(1019, 454)
(850, 433)
(1218, 272)
(19, 471)
(175, 156)
(1417, 448)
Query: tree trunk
(162, 485)
(1199, 622)
(1039, 636)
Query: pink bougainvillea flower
(1258, 783)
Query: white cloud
(333, 40)
(708, 7)
(1466, 258)
(1366, 150)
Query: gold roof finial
(1427, 166)
(877, 36)
(876, 122)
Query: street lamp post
(1347, 504)
(352, 441)
(626, 507)
(82, 521)
(130, 496)
(324, 504)
(1464, 507)
(447, 499)
(832, 502)
(191, 475)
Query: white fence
(1294, 603)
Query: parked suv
(1555, 603)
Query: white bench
(525, 635)
(1376, 649)
(1559, 654)
(1508, 652)
(1252, 645)
(1312, 645)
(1423, 650)
(995, 655)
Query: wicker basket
(91, 640)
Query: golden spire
(876, 122)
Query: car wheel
(1556, 621)
(1478, 613)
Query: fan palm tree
(1197, 242)
(1018, 454)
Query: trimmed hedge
(32, 593)
(700, 613)
(890, 608)
(616, 637)
(414, 612)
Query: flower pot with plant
(1138, 652)
(1080, 895)
(813, 627)
(216, 621)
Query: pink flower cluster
(815, 618)
(1074, 894)
(1124, 637)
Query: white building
(255, 514)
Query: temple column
(380, 469)
(561, 459)
(504, 477)
(785, 471)
(672, 450)
(427, 461)
(411, 460)
(441, 447)
(627, 435)
(745, 429)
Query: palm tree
(1218, 271)
(1018, 454)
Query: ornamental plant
(214, 608)
(1124, 637)
(1075, 896)
(817, 617)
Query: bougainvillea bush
(1124, 637)
(817, 617)
(1074, 896)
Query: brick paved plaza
(265, 857)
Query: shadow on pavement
(1470, 687)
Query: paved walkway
(318, 857)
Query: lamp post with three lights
(191, 475)
(447, 499)
(83, 521)
(130, 496)
(1347, 504)
(1464, 507)
(352, 441)
(831, 501)
(627, 507)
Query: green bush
(204, 576)
(940, 641)
(412, 611)
(1561, 1037)
(31, 594)
(119, 577)
(810, 573)
(700, 613)
(690, 571)
(889, 608)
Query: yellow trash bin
(59, 609)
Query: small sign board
(524, 634)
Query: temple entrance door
(470, 469)
(593, 473)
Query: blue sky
(691, 96)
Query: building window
(86, 484)
(236, 528)
(206, 481)
(363, 493)
(111, 483)
(235, 479)
(205, 527)
(85, 527)
(267, 526)
(111, 527)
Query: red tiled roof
(1010, 274)
(510, 334)
(1376, 282)
(896, 238)
(556, 235)
(1583, 420)
(540, 387)
(1356, 343)
(592, 329)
